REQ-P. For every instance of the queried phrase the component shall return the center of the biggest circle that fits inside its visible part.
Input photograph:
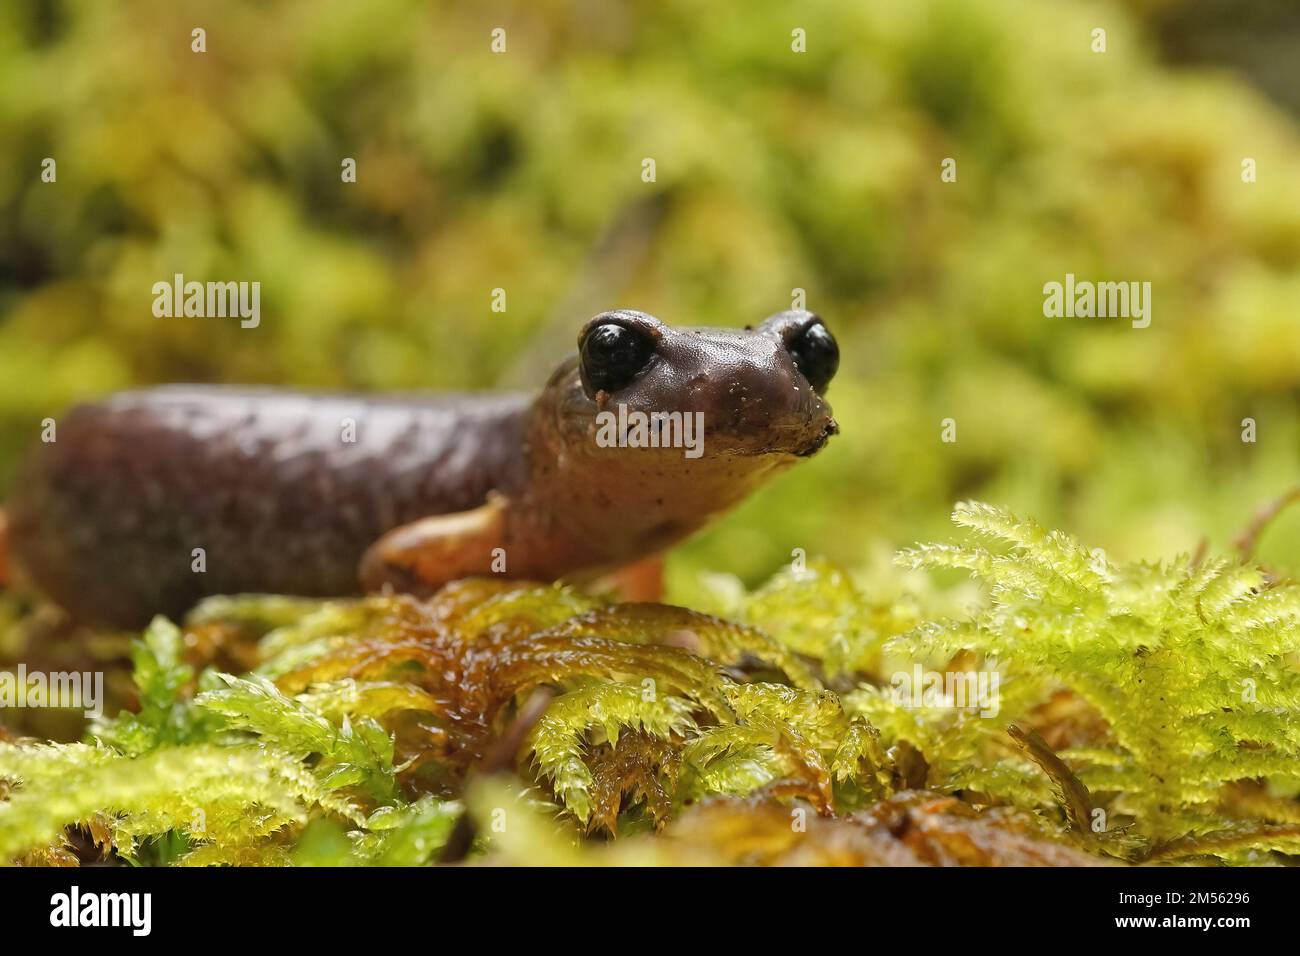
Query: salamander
(149, 500)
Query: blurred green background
(776, 170)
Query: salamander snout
(757, 391)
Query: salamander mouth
(832, 428)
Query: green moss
(1191, 666)
(1140, 711)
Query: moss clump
(1142, 712)
(1188, 668)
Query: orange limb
(424, 555)
(640, 581)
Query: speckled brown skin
(106, 519)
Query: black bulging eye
(612, 356)
(816, 355)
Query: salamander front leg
(424, 555)
(640, 581)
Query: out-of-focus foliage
(1256, 37)
(914, 828)
(775, 170)
(1140, 713)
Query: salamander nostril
(818, 443)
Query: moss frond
(226, 796)
(727, 643)
(350, 753)
(1188, 668)
(819, 613)
(559, 741)
(734, 760)
(336, 700)
(163, 682)
(410, 835)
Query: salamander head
(756, 393)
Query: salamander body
(150, 500)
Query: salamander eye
(816, 355)
(612, 356)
